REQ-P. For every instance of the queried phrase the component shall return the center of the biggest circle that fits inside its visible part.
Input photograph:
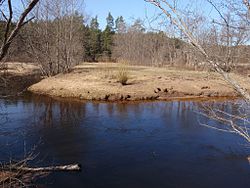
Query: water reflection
(49, 112)
(128, 145)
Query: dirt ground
(99, 81)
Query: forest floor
(99, 81)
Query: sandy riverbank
(98, 81)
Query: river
(151, 144)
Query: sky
(132, 9)
(129, 9)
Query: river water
(136, 145)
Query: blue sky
(129, 9)
(132, 9)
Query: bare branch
(9, 38)
(176, 19)
(219, 12)
(247, 4)
(8, 24)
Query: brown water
(157, 144)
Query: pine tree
(107, 37)
(137, 26)
(95, 40)
(120, 25)
(110, 22)
(94, 25)
(87, 43)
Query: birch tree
(233, 123)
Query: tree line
(61, 37)
(60, 42)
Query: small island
(101, 82)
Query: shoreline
(174, 99)
(98, 82)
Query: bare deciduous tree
(238, 124)
(11, 34)
(55, 38)
(176, 18)
(146, 48)
(11, 26)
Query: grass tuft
(122, 75)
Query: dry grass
(18, 68)
(100, 81)
(123, 74)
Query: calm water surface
(143, 145)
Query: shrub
(122, 75)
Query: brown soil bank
(98, 81)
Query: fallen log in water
(23, 175)
(71, 167)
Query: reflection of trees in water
(178, 111)
(60, 129)
(73, 139)
(12, 137)
(4, 104)
(3, 120)
(161, 109)
(3, 114)
(50, 112)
